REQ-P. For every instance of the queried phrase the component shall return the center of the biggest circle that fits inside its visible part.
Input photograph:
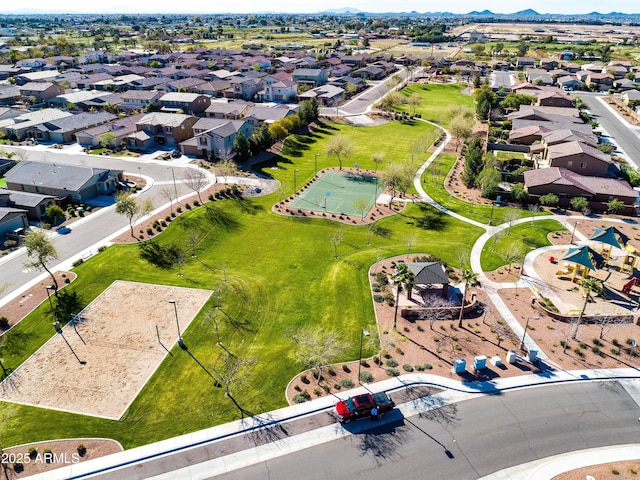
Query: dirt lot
(98, 366)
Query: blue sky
(253, 6)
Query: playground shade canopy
(580, 255)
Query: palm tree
(588, 285)
(404, 278)
(470, 279)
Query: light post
(573, 232)
(315, 164)
(47, 288)
(525, 330)
(175, 186)
(295, 178)
(363, 334)
(175, 309)
(493, 204)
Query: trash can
(511, 356)
(459, 366)
(533, 355)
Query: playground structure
(635, 281)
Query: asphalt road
(98, 226)
(625, 136)
(470, 439)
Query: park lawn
(525, 236)
(437, 101)
(281, 275)
(3, 183)
(299, 151)
(433, 180)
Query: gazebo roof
(428, 273)
(608, 236)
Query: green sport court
(336, 192)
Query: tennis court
(337, 192)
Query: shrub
(210, 197)
(196, 203)
(188, 206)
(301, 397)
(179, 209)
(399, 351)
(378, 298)
(615, 351)
(366, 377)
(149, 231)
(4, 322)
(392, 372)
(616, 342)
(167, 218)
(345, 368)
(376, 287)
(82, 450)
(596, 341)
(346, 383)
(33, 453)
(317, 391)
(629, 341)
(18, 467)
(47, 455)
(407, 368)
(579, 352)
(391, 362)
(427, 366)
(78, 262)
(102, 248)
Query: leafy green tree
(520, 193)
(489, 182)
(261, 138)
(317, 347)
(615, 206)
(397, 177)
(523, 48)
(40, 251)
(632, 175)
(473, 163)
(498, 48)
(414, 102)
(108, 140)
(309, 111)
(579, 203)
(55, 213)
(513, 101)
(340, 146)
(131, 207)
(486, 100)
(549, 200)
(460, 129)
(241, 147)
(68, 304)
(361, 206)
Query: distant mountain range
(528, 14)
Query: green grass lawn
(437, 101)
(525, 236)
(282, 275)
(3, 183)
(433, 183)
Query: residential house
(568, 83)
(12, 219)
(71, 101)
(630, 96)
(63, 130)
(555, 99)
(600, 81)
(524, 62)
(567, 135)
(63, 181)
(579, 158)
(267, 113)
(549, 64)
(189, 103)
(213, 88)
(245, 88)
(228, 109)
(7, 71)
(625, 84)
(43, 76)
(214, 138)
(120, 128)
(539, 76)
(618, 71)
(188, 84)
(326, 95)
(280, 91)
(139, 100)
(161, 128)
(34, 204)
(40, 91)
(567, 184)
(369, 72)
(527, 135)
(313, 76)
(570, 67)
(18, 127)
(9, 95)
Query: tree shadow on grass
(248, 206)
(293, 147)
(217, 216)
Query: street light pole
(47, 288)
(315, 164)
(493, 204)
(525, 330)
(175, 309)
(175, 186)
(363, 333)
(295, 184)
(573, 232)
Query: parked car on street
(63, 230)
(360, 406)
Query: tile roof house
(62, 180)
(555, 99)
(41, 91)
(18, 127)
(189, 103)
(162, 129)
(214, 137)
(63, 130)
(326, 95)
(139, 99)
(264, 113)
(567, 184)
(314, 76)
(228, 109)
(34, 204)
(579, 158)
(9, 95)
(280, 91)
(121, 128)
(12, 219)
(73, 99)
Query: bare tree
(227, 167)
(463, 254)
(361, 206)
(168, 194)
(335, 240)
(317, 347)
(196, 180)
(513, 253)
(377, 158)
(461, 129)
(20, 155)
(607, 323)
(510, 216)
(233, 370)
(411, 239)
(535, 208)
(436, 308)
(497, 236)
